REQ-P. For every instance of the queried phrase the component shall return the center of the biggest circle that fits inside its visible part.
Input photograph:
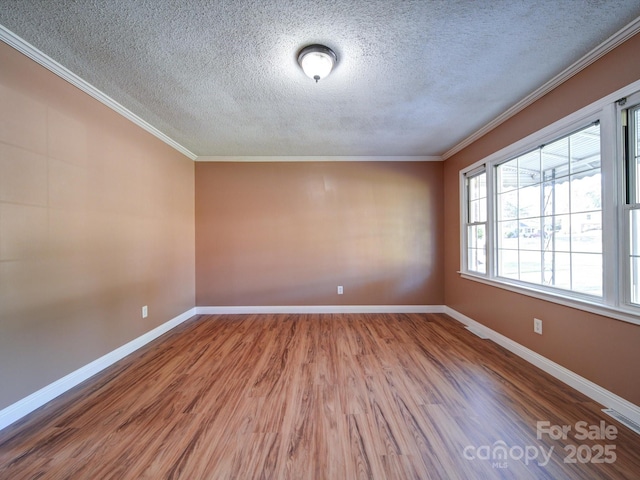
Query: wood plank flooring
(316, 396)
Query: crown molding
(13, 40)
(318, 158)
(605, 47)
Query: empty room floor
(335, 396)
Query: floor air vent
(622, 419)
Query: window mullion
(612, 221)
(541, 217)
(492, 225)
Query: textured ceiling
(414, 77)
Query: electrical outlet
(145, 311)
(340, 290)
(537, 326)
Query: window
(557, 214)
(549, 228)
(476, 223)
(631, 137)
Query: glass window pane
(635, 232)
(473, 211)
(586, 232)
(586, 273)
(471, 187)
(472, 260)
(481, 264)
(529, 169)
(481, 238)
(477, 237)
(471, 237)
(530, 266)
(477, 261)
(635, 280)
(557, 269)
(529, 202)
(508, 205)
(556, 233)
(585, 150)
(586, 192)
(478, 210)
(476, 248)
(555, 198)
(507, 176)
(530, 234)
(636, 117)
(508, 234)
(477, 187)
(555, 159)
(508, 263)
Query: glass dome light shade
(317, 61)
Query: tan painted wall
(601, 349)
(290, 233)
(96, 220)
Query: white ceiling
(414, 77)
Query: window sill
(579, 304)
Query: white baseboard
(321, 309)
(587, 387)
(22, 407)
(16, 411)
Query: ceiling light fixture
(317, 61)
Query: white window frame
(466, 216)
(615, 295)
(626, 207)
